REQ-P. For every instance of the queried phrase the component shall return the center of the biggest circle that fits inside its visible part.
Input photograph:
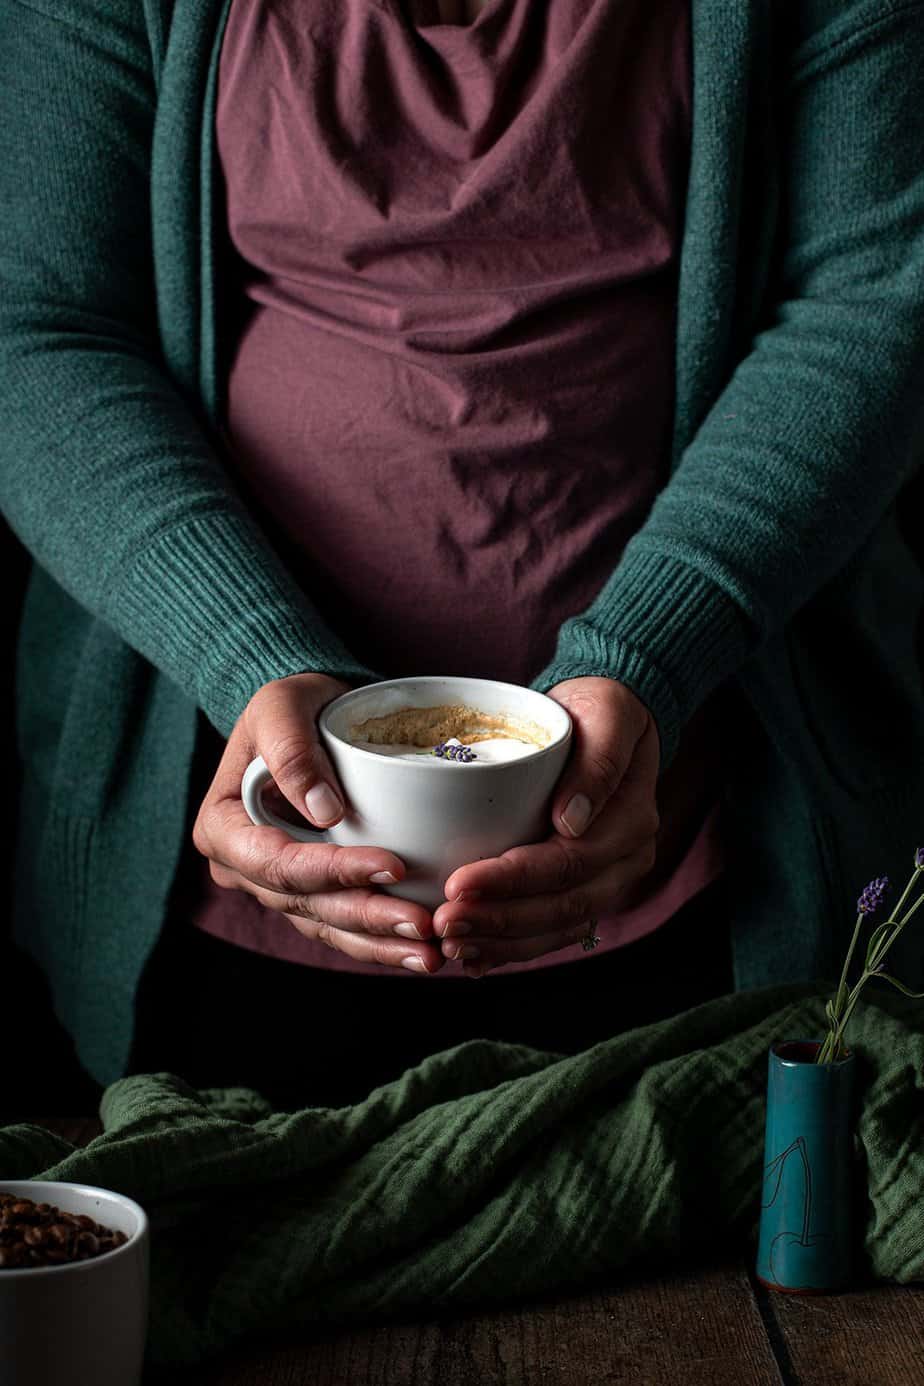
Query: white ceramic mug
(435, 817)
(83, 1321)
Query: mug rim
(790, 1061)
(22, 1187)
(557, 741)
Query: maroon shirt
(451, 396)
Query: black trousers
(218, 1015)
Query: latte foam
(409, 730)
(491, 750)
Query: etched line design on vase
(802, 1237)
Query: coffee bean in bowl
(73, 1285)
(39, 1234)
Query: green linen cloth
(487, 1173)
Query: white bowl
(83, 1323)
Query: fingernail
(473, 969)
(467, 895)
(414, 963)
(383, 878)
(457, 951)
(577, 815)
(457, 927)
(323, 803)
(407, 930)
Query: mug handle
(256, 777)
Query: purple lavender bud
(871, 898)
(460, 753)
(919, 858)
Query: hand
(540, 898)
(327, 892)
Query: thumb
(606, 729)
(281, 724)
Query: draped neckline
(401, 10)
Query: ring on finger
(591, 938)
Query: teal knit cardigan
(776, 561)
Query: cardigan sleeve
(822, 421)
(107, 477)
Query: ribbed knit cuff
(215, 611)
(662, 628)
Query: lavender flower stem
(842, 1025)
(871, 971)
(905, 893)
(841, 1008)
(852, 1000)
(843, 982)
(886, 943)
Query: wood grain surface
(687, 1327)
(710, 1325)
(866, 1337)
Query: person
(575, 345)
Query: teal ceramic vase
(805, 1241)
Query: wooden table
(693, 1326)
